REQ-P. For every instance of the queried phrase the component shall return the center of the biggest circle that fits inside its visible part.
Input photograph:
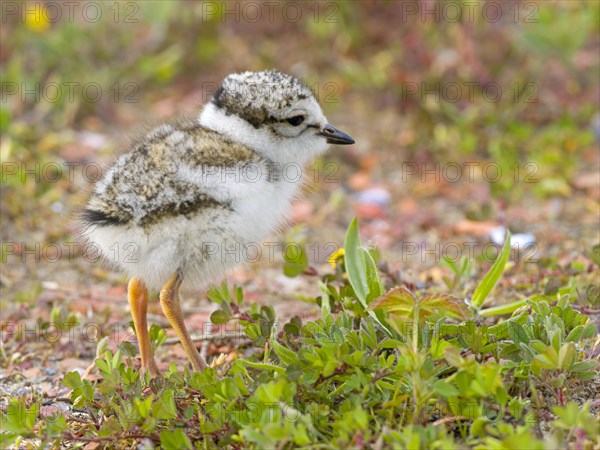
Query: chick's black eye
(295, 121)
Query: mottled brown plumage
(147, 173)
(190, 195)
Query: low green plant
(382, 367)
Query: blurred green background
(514, 84)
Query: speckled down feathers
(258, 96)
(143, 186)
(192, 195)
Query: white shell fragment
(519, 241)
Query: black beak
(335, 136)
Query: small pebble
(50, 285)
(595, 125)
(378, 196)
(519, 241)
(93, 140)
(49, 371)
(57, 207)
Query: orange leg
(169, 300)
(138, 302)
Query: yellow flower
(37, 19)
(336, 256)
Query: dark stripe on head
(258, 96)
(217, 97)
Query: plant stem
(502, 309)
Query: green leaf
(589, 330)
(400, 302)
(576, 334)
(355, 264)
(4, 118)
(573, 416)
(452, 355)
(548, 359)
(72, 380)
(295, 260)
(293, 371)
(284, 354)
(164, 407)
(451, 264)
(517, 333)
(128, 349)
(373, 280)
(584, 366)
(263, 366)
(252, 330)
(144, 406)
(158, 336)
(219, 294)
(175, 440)
(594, 254)
(438, 348)
(102, 345)
(362, 273)
(507, 308)
(445, 389)
(566, 355)
(390, 343)
(219, 316)
(500, 330)
(239, 294)
(18, 418)
(491, 278)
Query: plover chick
(175, 210)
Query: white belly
(204, 246)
